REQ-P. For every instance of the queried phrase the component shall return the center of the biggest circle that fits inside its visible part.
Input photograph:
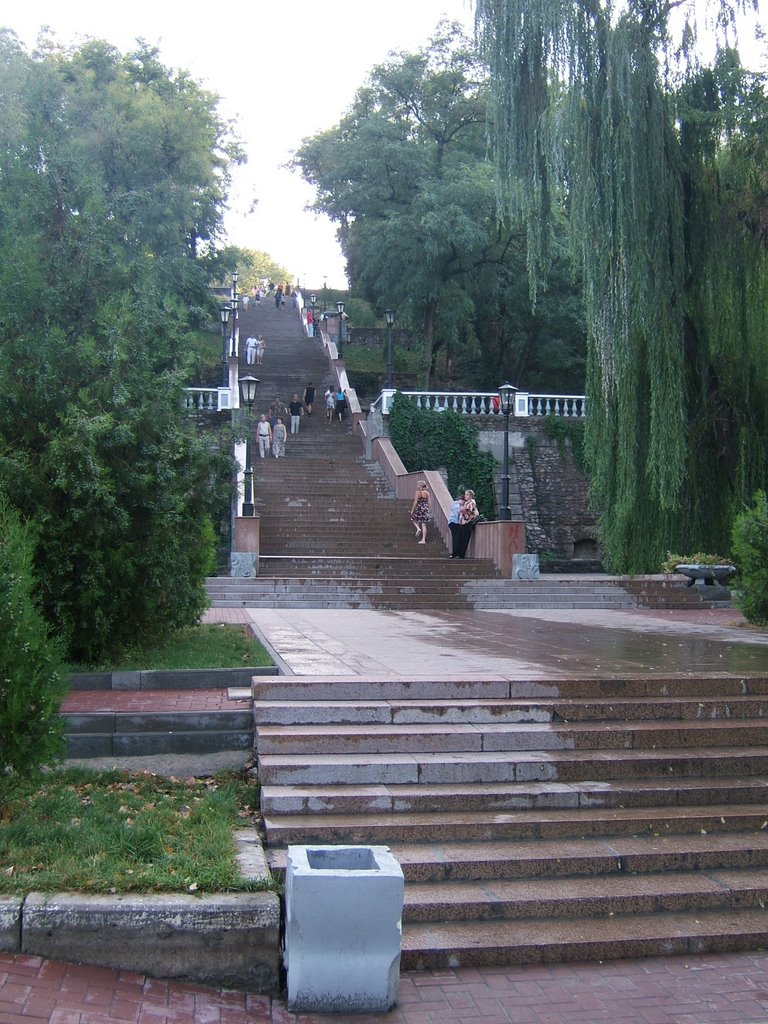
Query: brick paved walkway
(724, 989)
(131, 701)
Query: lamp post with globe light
(506, 398)
(248, 384)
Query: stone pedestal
(244, 559)
(525, 567)
(343, 927)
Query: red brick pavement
(715, 989)
(83, 701)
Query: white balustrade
(486, 403)
(206, 399)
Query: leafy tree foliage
(31, 671)
(405, 174)
(674, 279)
(750, 548)
(252, 265)
(113, 171)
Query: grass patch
(211, 645)
(119, 832)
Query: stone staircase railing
(486, 403)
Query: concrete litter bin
(343, 926)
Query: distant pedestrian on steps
(309, 397)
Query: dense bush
(750, 549)
(31, 675)
(425, 439)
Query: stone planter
(343, 926)
(709, 575)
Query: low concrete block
(224, 940)
(343, 928)
(126, 680)
(10, 924)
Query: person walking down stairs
(264, 435)
(420, 514)
(296, 410)
(279, 434)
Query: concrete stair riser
(520, 826)
(528, 766)
(576, 897)
(658, 793)
(490, 943)
(617, 856)
(356, 739)
(294, 713)
(343, 688)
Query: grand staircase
(331, 532)
(534, 821)
(333, 535)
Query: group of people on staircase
(254, 350)
(272, 426)
(462, 518)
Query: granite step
(608, 689)
(543, 860)
(483, 826)
(506, 796)
(509, 736)
(418, 712)
(452, 767)
(429, 946)
(569, 897)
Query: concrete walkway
(711, 989)
(503, 644)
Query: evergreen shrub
(32, 681)
(750, 548)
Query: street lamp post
(248, 384)
(340, 307)
(313, 301)
(224, 314)
(389, 317)
(233, 339)
(506, 399)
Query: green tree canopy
(405, 174)
(113, 173)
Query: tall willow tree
(599, 109)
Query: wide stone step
(510, 736)
(498, 766)
(506, 796)
(432, 946)
(482, 826)
(608, 895)
(423, 712)
(645, 685)
(543, 860)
